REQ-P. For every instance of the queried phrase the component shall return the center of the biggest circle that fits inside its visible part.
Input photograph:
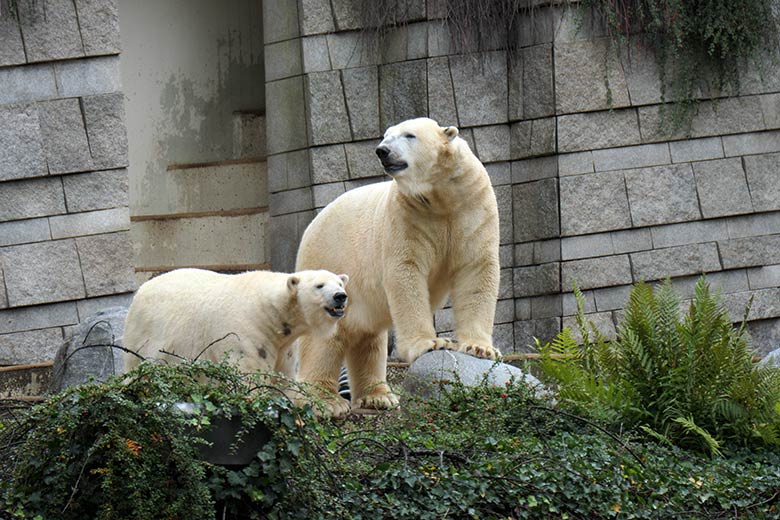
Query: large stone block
(586, 246)
(538, 96)
(324, 194)
(44, 272)
(611, 298)
(770, 105)
(107, 263)
(641, 69)
(766, 304)
(533, 138)
(662, 195)
(362, 161)
(500, 173)
(315, 54)
(88, 77)
(752, 143)
(11, 45)
(722, 188)
(492, 143)
(285, 114)
(596, 272)
(27, 83)
(64, 136)
(403, 92)
(480, 84)
(38, 317)
(696, 149)
(353, 49)
(50, 30)
(99, 25)
(31, 198)
(286, 168)
(750, 252)
(675, 261)
(285, 234)
(766, 338)
(291, 201)
(535, 209)
(724, 116)
(23, 232)
(105, 118)
(534, 169)
(763, 176)
(90, 306)
(631, 157)
(280, 20)
(441, 96)
(505, 214)
(283, 59)
(689, 233)
(526, 332)
(21, 153)
(575, 163)
(588, 76)
(764, 277)
(753, 225)
(90, 223)
(96, 190)
(32, 346)
(326, 109)
(603, 322)
(593, 130)
(593, 202)
(316, 17)
(361, 89)
(536, 280)
(329, 164)
(631, 240)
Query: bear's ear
(451, 132)
(292, 283)
(344, 278)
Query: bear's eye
(409, 136)
(320, 286)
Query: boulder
(89, 354)
(772, 359)
(429, 369)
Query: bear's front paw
(378, 401)
(333, 407)
(440, 344)
(480, 351)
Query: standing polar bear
(430, 232)
(252, 317)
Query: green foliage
(484, 452)
(690, 381)
(702, 47)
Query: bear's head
(416, 152)
(321, 297)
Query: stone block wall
(64, 245)
(590, 189)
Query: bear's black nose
(340, 298)
(382, 152)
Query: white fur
(406, 244)
(252, 317)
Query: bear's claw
(480, 351)
(384, 401)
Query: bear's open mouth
(393, 167)
(336, 312)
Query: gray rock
(75, 365)
(50, 30)
(428, 370)
(441, 97)
(96, 190)
(592, 130)
(532, 138)
(107, 263)
(11, 46)
(761, 173)
(538, 96)
(662, 195)
(21, 154)
(675, 261)
(723, 189)
(64, 136)
(99, 25)
(594, 202)
(480, 88)
(536, 279)
(327, 110)
(316, 17)
(329, 164)
(771, 360)
(535, 209)
(361, 89)
(105, 118)
(27, 83)
(286, 116)
(402, 92)
(603, 271)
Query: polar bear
(408, 243)
(252, 317)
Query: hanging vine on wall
(702, 47)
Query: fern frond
(690, 427)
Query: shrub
(690, 382)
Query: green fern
(687, 378)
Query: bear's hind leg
(320, 361)
(367, 370)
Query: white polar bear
(253, 317)
(430, 232)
